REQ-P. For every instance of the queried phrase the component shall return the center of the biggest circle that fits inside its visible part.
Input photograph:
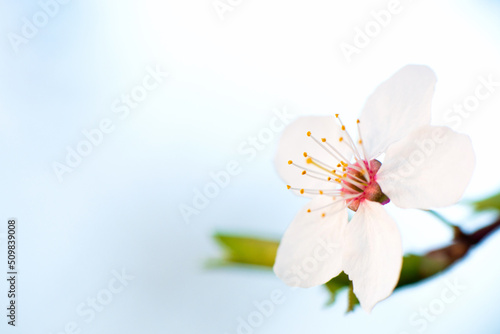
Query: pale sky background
(119, 208)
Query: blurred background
(115, 116)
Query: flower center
(353, 182)
(357, 183)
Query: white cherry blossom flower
(423, 167)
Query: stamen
(311, 171)
(315, 191)
(356, 168)
(323, 147)
(319, 178)
(321, 208)
(360, 185)
(353, 177)
(314, 161)
(353, 146)
(342, 157)
(361, 140)
(324, 206)
(348, 186)
(351, 142)
(337, 175)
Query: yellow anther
(323, 215)
(321, 192)
(360, 141)
(338, 180)
(305, 154)
(309, 160)
(345, 175)
(340, 139)
(329, 178)
(323, 139)
(339, 165)
(309, 133)
(301, 191)
(290, 162)
(337, 115)
(357, 121)
(308, 210)
(343, 127)
(344, 169)
(287, 186)
(344, 164)
(303, 172)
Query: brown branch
(479, 235)
(462, 242)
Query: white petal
(310, 252)
(430, 168)
(398, 105)
(294, 142)
(373, 254)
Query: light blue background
(119, 209)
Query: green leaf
(489, 203)
(419, 267)
(335, 285)
(247, 250)
(352, 299)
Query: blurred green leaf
(419, 267)
(489, 203)
(335, 285)
(247, 250)
(352, 299)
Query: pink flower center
(358, 187)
